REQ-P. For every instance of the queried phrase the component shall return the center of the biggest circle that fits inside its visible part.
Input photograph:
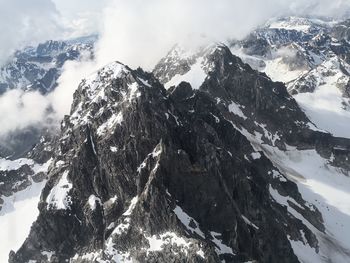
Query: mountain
(25, 154)
(311, 56)
(38, 68)
(21, 182)
(203, 160)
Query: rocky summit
(203, 160)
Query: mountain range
(235, 152)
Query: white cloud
(139, 32)
(73, 72)
(135, 32)
(20, 109)
(26, 22)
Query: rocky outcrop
(38, 68)
(146, 174)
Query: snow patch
(157, 242)
(92, 201)
(236, 109)
(10, 165)
(113, 149)
(131, 207)
(220, 248)
(248, 222)
(195, 76)
(186, 221)
(18, 213)
(110, 123)
(256, 155)
(58, 197)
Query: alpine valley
(234, 152)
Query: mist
(139, 33)
(26, 22)
(19, 109)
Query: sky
(135, 32)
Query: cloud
(139, 32)
(73, 72)
(19, 109)
(135, 32)
(80, 17)
(26, 22)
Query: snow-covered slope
(17, 214)
(311, 57)
(322, 178)
(327, 105)
(145, 173)
(323, 185)
(205, 160)
(22, 180)
(21, 183)
(38, 68)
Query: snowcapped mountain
(21, 182)
(38, 68)
(23, 169)
(311, 56)
(206, 159)
(224, 167)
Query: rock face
(185, 174)
(311, 56)
(300, 44)
(18, 174)
(38, 68)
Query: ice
(122, 227)
(116, 256)
(200, 253)
(133, 91)
(322, 186)
(112, 71)
(327, 189)
(48, 254)
(291, 23)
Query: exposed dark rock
(139, 159)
